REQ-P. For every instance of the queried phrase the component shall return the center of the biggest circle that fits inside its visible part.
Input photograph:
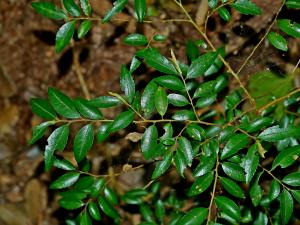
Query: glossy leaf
(184, 145)
(86, 110)
(207, 163)
(180, 162)
(39, 131)
(161, 101)
(178, 100)
(206, 101)
(147, 100)
(232, 187)
(170, 82)
(70, 203)
(224, 14)
(127, 84)
(84, 28)
(259, 123)
(149, 142)
(103, 132)
(201, 184)
(293, 4)
(278, 41)
(104, 102)
(228, 206)
(72, 7)
(195, 216)
(256, 193)
(286, 206)
(191, 50)
(86, 7)
(49, 10)
(160, 210)
(97, 187)
(59, 138)
(196, 132)
(155, 60)
(286, 157)
(64, 36)
(119, 5)
(65, 180)
(274, 190)
(107, 208)
(122, 121)
(235, 143)
(111, 196)
(201, 64)
(289, 27)
(135, 40)
(140, 8)
(134, 196)
(85, 219)
(234, 171)
(62, 104)
(135, 63)
(83, 142)
(250, 163)
(275, 133)
(159, 37)
(205, 89)
(42, 108)
(184, 115)
(162, 166)
(292, 179)
(246, 7)
(296, 194)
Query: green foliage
(236, 158)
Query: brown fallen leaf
(8, 118)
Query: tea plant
(241, 146)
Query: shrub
(239, 145)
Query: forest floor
(29, 65)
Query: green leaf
(178, 100)
(161, 101)
(111, 196)
(278, 41)
(293, 4)
(134, 196)
(180, 162)
(62, 104)
(122, 121)
(42, 108)
(103, 132)
(86, 110)
(147, 100)
(59, 138)
(207, 163)
(259, 123)
(39, 131)
(246, 7)
(149, 142)
(159, 37)
(286, 206)
(162, 166)
(140, 8)
(221, 83)
(104, 102)
(64, 35)
(195, 216)
(196, 132)
(84, 28)
(94, 211)
(184, 145)
(83, 142)
(234, 171)
(63, 164)
(147, 214)
(201, 64)
(250, 163)
(119, 5)
(232, 187)
(127, 84)
(85, 219)
(274, 190)
(170, 82)
(226, 133)
(49, 10)
(255, 192)
(70, 203)
(135, 63)
(224, 14)
(191, 50)
(206, 101)
(275, 133)
(72, 7)
(155, 60)
(205, 89)
(228, 206)
(292, 179)
(184, 115)
(86, 7)
(97, 187)
(135, 40)
(65, 180)
(160, 210)
(201, 184)
(296, 194)
(218, 63)
(286, 157)
(212, 3)
(107, 208)
(289, 27)
(235, 143)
